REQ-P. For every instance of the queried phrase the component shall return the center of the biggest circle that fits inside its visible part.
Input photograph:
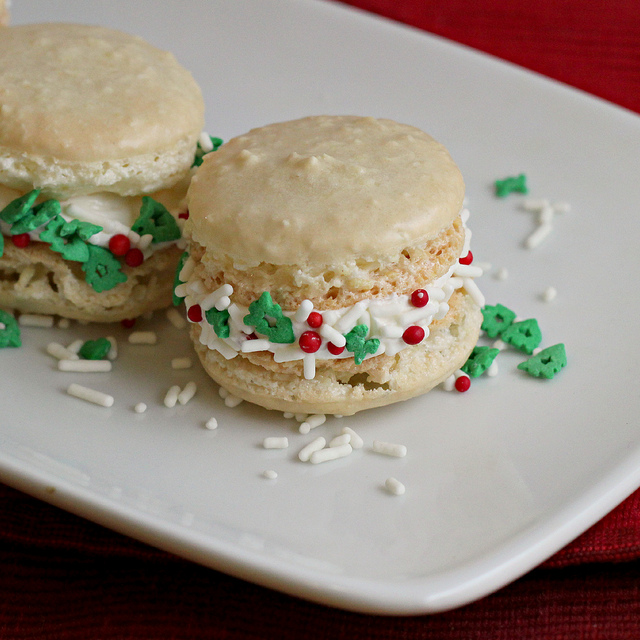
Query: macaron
(98, 135)
(328, 267)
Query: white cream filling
(386, 318)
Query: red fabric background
(63, 577)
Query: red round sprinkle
(184, 215)
(468, 259)
(134, 257)
(127, 323)
(334, 349)
(119, 244)
(419, 298)
(194, 313)
(21, 240)
(463, 383)
(310, 341)
(314, 320)
(413, 334)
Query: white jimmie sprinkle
(538, 236)
(311, 422)
(85, 366)
(270, 474)
(394, 486)
(171, 397)
(232, 401)
(389, 449)
(315, 445)
(181, 363)
(36, 320)
(60, 352)
(175, 318)
(90, 395)
(275, 442)
(338, 441)
(143, 337)
(330, 453)
(187, 393)
(356, 441)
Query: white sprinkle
(561, 207)
(232, 401)
(536, 351)
(332, 335)
(391, 331)
(309, 366)
(90, 395)
(205, 142)
(112, 354)
(187, 270)
(175, 318)
(312, 447)
(472, 289)
(171, 397)
(536, 238)
(223, 303)
(143, 337)
(270, 474)
(349, 319)
(311, 422)
(64, 323)
(237, 317)
(275, 442)
(287, 415)
(75, 346)
(221, 292)
(35, 320)
(467, 271)
(502, 274)
(356, 441)
(141, 407)
(389, 449)
(485, 266)
(545, 215)
(301, 417)
(535, 204)
(145, 241)
(222, 392)
(394, 486)
(449, 383)
(459, 373)
(549, 294)
(211, 423)
(338, 441)
(330, 453)
(84, 366)
(305, 308)
(500, 345)
(188, 392)
(181, 363)
(181, 290)
(196, 287)
(251, 346)
(61, 353)
(492, 371)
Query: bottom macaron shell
(37, 280)
(413, 371)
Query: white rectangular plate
(498, 478)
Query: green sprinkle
(36, 217)
(512, 184)
(69, 238)
(19, 207)
(267, 317)
(156, 220)
(546, 363)
(200, 154)
(176, 281)
(496, 319)
(1, 245)
(358, 344)
(9, 331)
(102, 269)
(524, 335)
(95, 349)
(479, 361)
(219, 320)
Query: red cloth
(63, 577)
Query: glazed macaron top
(323, 190)
(78, 93)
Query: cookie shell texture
(323, 190)
(87, 109)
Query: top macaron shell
(75, 96)
(323, 190)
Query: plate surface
(498, 478)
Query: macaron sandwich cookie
(98, 134)
(328, 267)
